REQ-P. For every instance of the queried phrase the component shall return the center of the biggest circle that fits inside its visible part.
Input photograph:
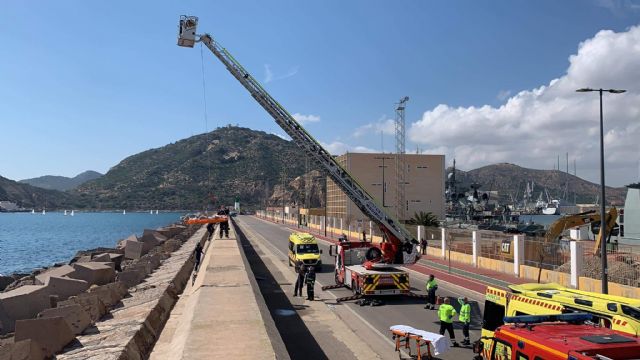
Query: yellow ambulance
(614, 312)
(304, 247)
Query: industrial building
(423, 185)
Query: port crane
(398, 246)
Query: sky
(85, 84)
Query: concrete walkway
(218, 316)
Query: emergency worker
(446, 312)
(431, 286)
(465, 319)
(300, 270)
(224, 226)
(310, 281)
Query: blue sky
(86, 84)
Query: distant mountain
(62, 183)
(510, 181)
(27, 196)
(198, 171)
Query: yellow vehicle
(304, 247)
(615, 312)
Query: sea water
(29, 241)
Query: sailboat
(124, 212)
(43, 212)
(71, 213)
(65, 213)
(151, 212)
(156, 212)
(33, 211)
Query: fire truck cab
(382, 279)
(556, 337)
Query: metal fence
(549, 256)
(623, 264)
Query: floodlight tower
(401, 168)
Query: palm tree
(425, 219)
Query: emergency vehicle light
(535, 319)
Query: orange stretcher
(207, 220)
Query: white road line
(364, 321)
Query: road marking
(364, 321)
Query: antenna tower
(401, 168)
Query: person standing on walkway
(210, 230)
(197, 253)
(465, 319)
(432, 286)
(446, 312)
(300, 269)
(310, 281)
(224, 226)
(423, 246)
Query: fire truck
(398, 246)
(381, 279)
(558, 337)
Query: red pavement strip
(473, 285)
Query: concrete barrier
(24, 302)
(63, 270)
(94, 273)
(22, 350)
(221, 309)
(90, 303)
(74, 315)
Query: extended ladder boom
(401, 240)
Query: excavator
(589, 217)
(398, 246)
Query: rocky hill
(62, 183)
(199, 171)
(511, 181)
(28, 197)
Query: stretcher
(435, 344)
(207, 220)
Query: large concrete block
(22, 303)
(94, 273)
(109, 295)
(131, 277)
(101, 258)
(90, 303)
(171, 245)
(133, 249)
(121, 243)
(118, 287)
(22, 350)
(65, 287)
(52, 334)
(63, 270)
(74, 315)
(5, 281)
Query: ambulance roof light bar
(536, 319)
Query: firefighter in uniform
(310, 281)
(465, 319)
(431, 286)
(446, 312)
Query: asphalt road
(396, 311)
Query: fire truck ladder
(396, 233)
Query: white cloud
(303, 119)
(503, 95)
(619, 8)
(535, 126)
(339, 148)
(269, 75)
(384, 124)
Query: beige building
(424, 188)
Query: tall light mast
(401, 166)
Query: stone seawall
(130, 330)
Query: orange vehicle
(558, 337)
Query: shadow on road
(297, 338)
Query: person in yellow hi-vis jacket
(446, 312)
(431, 288)
(465, 319)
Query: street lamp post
(603, 227)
